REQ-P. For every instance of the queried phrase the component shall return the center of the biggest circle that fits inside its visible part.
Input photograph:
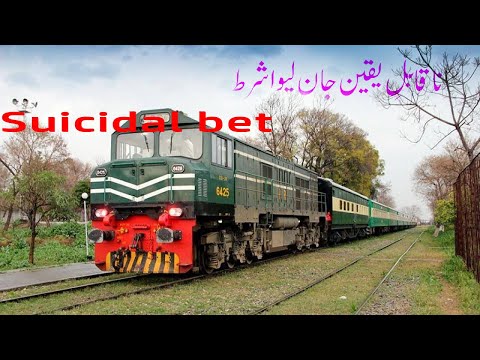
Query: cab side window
(222, 150)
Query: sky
(85, 80)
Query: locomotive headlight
(99, 236)
(100, 213)
(166, 235)
(175, 212)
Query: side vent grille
(202, 187)
(205, 188)
(199, 187)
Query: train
(182, 200)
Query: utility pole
(85, 197)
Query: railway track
(165, 285)
(126, 293)
(68, 289)
(387, 275)
(184, 281)
(335, 272)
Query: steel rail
(323, 278)
(387, 275)
(68, 289)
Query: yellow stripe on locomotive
(146, 263)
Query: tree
(253, 141)
(40, 192)
(451, 102)
(321, 140)
(8, 194)
(4, 178)
(458, 158)
(382, 192)
(281, 141)
(24, 148)
(434, 177)
(412, 210)
(445, 210)
(4, 190)
(83, 186)
(75, 171)
(332, 146)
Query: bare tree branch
(455, 74)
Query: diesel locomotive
(175, 201)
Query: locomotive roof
(182, 117)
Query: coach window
(348, 206)
(221, 151)
(357, 207)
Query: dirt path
(448, 300)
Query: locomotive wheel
(230, 262)
(333, 240)
(249, 257)
(204, 263)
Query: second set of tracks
(339, 270)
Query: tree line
(323, 141)
(40, 178)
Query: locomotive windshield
(187, 143)
(138, 145)
(135, 145)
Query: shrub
(445, 211)
(69, 229)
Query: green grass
(54, 245)
(456, 273)
(426, 293)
